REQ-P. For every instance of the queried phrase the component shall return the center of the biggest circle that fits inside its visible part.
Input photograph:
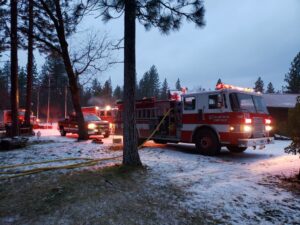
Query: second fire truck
(229, 116)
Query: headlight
(268, 121)
(91, 126)
(268, 128)
(247, 128)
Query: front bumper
(255, 142)
(97, 131)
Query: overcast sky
(241, 41)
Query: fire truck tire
(62, 131)
(236, 149)
(207, 142)
(106, 135)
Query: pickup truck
(93, 123)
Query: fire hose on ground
(87, 161)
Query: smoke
(97, 101)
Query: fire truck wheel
(207, 142)
(62, 131)
(236, 149)
(106, 135)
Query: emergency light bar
(228, 86)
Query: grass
(114, 195)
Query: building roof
(281, 100)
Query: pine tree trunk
(75, 94)
(130, 151)
(29, 64)
(14, 67)
(73, 82)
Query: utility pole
(66, 95)
(38, 103)
(48, 109)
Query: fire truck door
(215, 103)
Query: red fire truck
(229, 116)
(6, 120)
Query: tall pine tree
(22, 87)
(107, 92)
(293, 77)
(259, 85)
(143, 87)
(118, 93)
(153, 82)
(164, 91)
(6, 79)
(270, 88)
(14, 93)
(149, 85)
(54, 70)
(3, 20)
(30, 62)
(178, 85)
(4, 90)
(96, 89)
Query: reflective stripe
(217, 127)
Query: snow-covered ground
(235, 188)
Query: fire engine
(229, 116)
(6, 121)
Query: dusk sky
(241, 41)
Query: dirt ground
(115, 195)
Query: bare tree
(94, 56)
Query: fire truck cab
(229, 116)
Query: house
(278, 106)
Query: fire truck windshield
(247, 103)
(91, 117)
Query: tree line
(51, 83)
(292, 80)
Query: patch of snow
(233, 188)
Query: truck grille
(102, 126)
(258, 127)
